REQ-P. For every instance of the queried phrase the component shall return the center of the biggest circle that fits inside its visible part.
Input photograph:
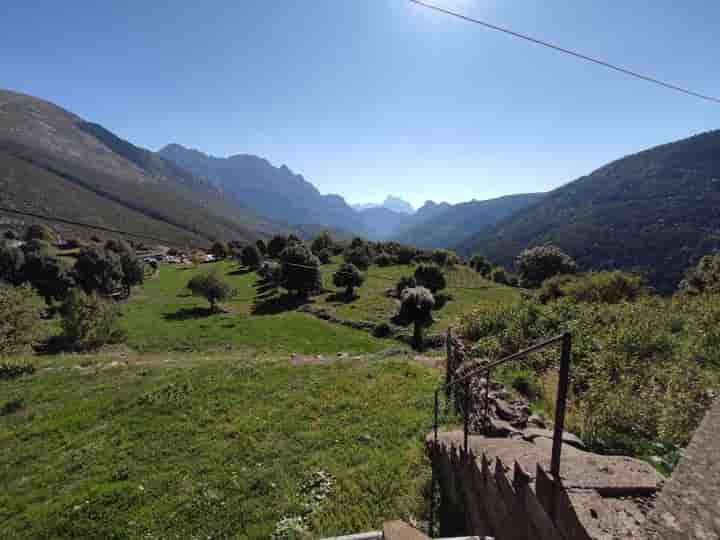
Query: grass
(467, 288)
(210, 445)
(162, 316)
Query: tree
(98, 270)
(300, 270)
(20, 319)
(358, 256)
(261, 247)
(704, 278)
(481, 265)
(416, 308)
(120, 247)
(357, 242)
(276, 245)
(430, 277)
(37, 247)
(536, 264)
(383, 260)
(12, 260)
(322, 242)
(88, 321)
(406, 254)
(250, 257)
(405, 282)
(348, 276)
(499, 275)
(444, 257)
(40, 232)
(293, 239)
(133, 270)
(211, 286)
(48, 275)
(219, 249)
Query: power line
(89, 226)
(567, 51)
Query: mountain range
(656, 211)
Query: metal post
(433, 487)
(563, 384)
(435, 421)
(467, 413)
(486, 420)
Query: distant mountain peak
(398, 205)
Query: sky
(367, 98)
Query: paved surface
(689, 505)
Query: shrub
(133, 270)
(211, 286)
(250, 257)
(300, 270)
(220, 250)
(431, 277)
(98, 270)
(382, 330)
(416, 308)
(322, 242)
(88, 321)
(261, 247)
(12, 261)
(36, 247)
(405, 254)
(276, 245)
(121, 246)
(445, 258)
(500, 275)
(403, 283)
(481, 265)
(11, 369)
(537, 264)
(324, 256)
(40, 232)
(48, 275)
(704, 278)
(9, 235)
(383, 260)
(593, 287)
(20, 319)
(348, 276)
(358, 256)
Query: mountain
(275, 192)
(657, 212)
(445, 225)
(54, 162)
(395, 204)
(381, 223)
(398, 205)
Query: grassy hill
(53, 162)
(656, 212)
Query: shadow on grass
(240, 272)
(185, 314)
(342, 298)
(272, 305)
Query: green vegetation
(537, 264)
(416, 307)
(211, 446)
(88, 321)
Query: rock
(531, 434)
(501, 428)
(365, 438)
(505, 411)
(536, 421)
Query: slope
(657, 212)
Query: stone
(536, 421)
(505, 411)
(531, 434)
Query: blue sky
(374, 97)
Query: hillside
(657, 212)
(272, 191)
(381, 223)
(54, 162)
(445, 225)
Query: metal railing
(486, 371)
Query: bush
(250, 257)
(98, 270)
(120, 247)
(445, 258)
(431, 277)
(593, 287)
(358, 256)
(382, 330)
(500, 275)
(88, 321)
(481, 265)
(383, 260)
(261, 247)
(705, 278)
(42, 233)
(537, 264)
(405, 254)
(416, 308)
(133, 270)
(276, 245)
(48, 275)
(20, 321)
(10, 235)
(324, 256)
(300, 270)
(348, 276)
(220, 250)
(322, 242)
(211, 286)
(403, 283)
(12, 261)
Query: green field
(210, 445)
